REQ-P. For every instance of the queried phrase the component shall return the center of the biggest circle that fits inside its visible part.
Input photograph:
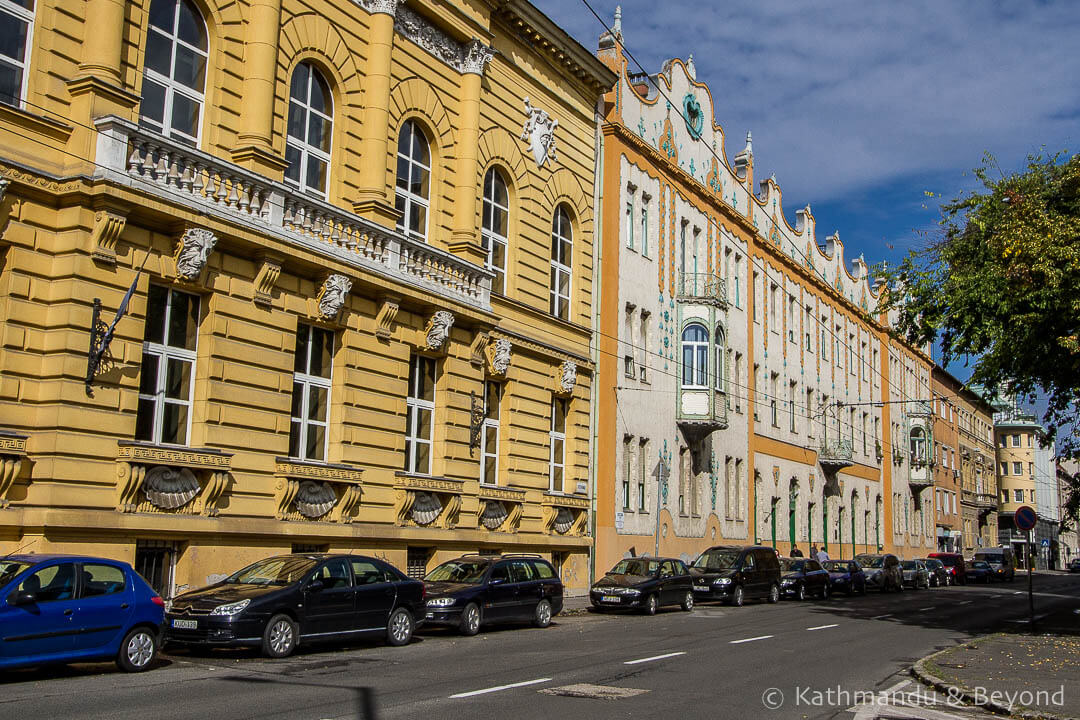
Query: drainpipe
(594, 350)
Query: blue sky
(858, 108)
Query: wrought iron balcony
(706, 287)
(836, 455)
(180, 174)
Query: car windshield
(988, 558)
(470, 572)
(717, 560)
(635, 566)
(10, 568)
(871, 561)
(835, 565)
(908, 564)
(272, 571)
(789, 565)
(948, 561)
(933, 564)
(980, 564)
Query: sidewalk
(1023, 675)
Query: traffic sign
(1024, 518)
(1046, 542)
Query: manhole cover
(595, 692)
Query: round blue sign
(1024, 518)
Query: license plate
(185, 624)
(701, 588)
(429, 616)
(611, 598)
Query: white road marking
(823, 627)
(500, 687)
(746, 640)
(654, 657)
(881, 617)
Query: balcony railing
(178, 173)
(836, 454)
(703, 286)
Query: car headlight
(787, 582)
(441, 602)
(231, 608)
(630, 591)
(722, 581)
(168, 605)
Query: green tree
(1000, 283)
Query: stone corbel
(12, 459)
(478, 348)
(427, 501)
(451, 513)
(190, 480)
(317, 491)
(103, 237)
(384, 321)
(565, 515)
(266, 279)
(500, 509)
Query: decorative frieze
(12, 459)
(192, 251)
(332, 296)
(539, 132)
(471, 57)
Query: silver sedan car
(916, 576)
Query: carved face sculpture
(500, 356)
(335, 291)
(439, 329)
(194, 249)
(567, 376)
(539, 132)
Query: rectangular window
(791, 319)
(754, 285)
(809, 412)
(155, 561)
(808, 329)
(774, 308)
(772, 401)
(737, 388)
(791, 407)
(420, 411)
(823, 344)
(1017, 468)
(17, 26)
(645, 226)
(166, 380)
(489, 435)
(628, 465)
(643, 472)
(311, 393)
(630, 221)
(1004, 468)
(1018, 495)
(684, 477)
(643, 348)
(737, 510)
(416, 560)
(1031, 469)
(737, 279)
(557, 443)
(1016, 441)
(758, 391)
(628, 366)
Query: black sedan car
(800, 577)
(475, 590)
(882, 571)
(281, 601)
(1074, 565)
(644, 584)
(734, 574)
(939, 574)
(979, 572)
(846, 576)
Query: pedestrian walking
(795, 551)
(823, 555)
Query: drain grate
(594, 692)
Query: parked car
(1074, 565)
(64, 609)
(915, 574)
(801, 577)
(939, 575)
(733, 574)
(979, 571)
(283, 601)
(882, 571)
(645, 584)
(846, 576)
(954, 563)
(476, 590)
(1001, 561)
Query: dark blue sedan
(64, 609)
(846, 576)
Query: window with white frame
(562, 247)
(489, 434)
(1018, 495)
(420, 408)
(557, 444)
(312, 364)
(495, 227)
(644, 225)
(630, 217)
(643, 347)
(1016, 441)
(17, 25)
(643, 472)
(174, 77)
(628, 469)
(695, 356)
(413, 181)
(721, 360)
(1017, 468)
(311, 120)
(737, 279)
(166, 379)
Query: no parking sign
(1025, 518)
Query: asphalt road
(811, 658)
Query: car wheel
(137, 650)
(738, 596)
(800, 594)
(824, 592)
(688, 602)
(652, 604)
(279, 637)
(774, 594)
(470, 620)
(542, 616)
(399, 630)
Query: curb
(959, 691)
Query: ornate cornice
(567, 501)
(405, 481)
(501, 493)
(149, 454)
(326, 472)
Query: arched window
(175, 70)
(495, 227)
(695, 357)
(311, 119)
(918, 445)
(721, 358)
(413, 180)
(562, 246)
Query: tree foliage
(1001, 284)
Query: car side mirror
(316, 585)
(22, 598)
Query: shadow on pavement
(364, 703)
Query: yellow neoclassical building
(360, 239)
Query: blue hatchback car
(65, 608)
